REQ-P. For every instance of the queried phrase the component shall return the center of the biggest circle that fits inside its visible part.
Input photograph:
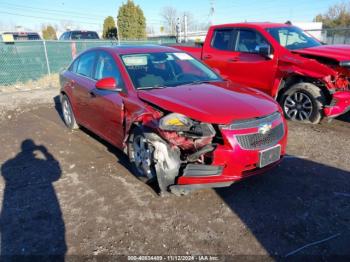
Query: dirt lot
(70, 193)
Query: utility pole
(212, 12)
(178, 30)
(185, 29)
(116, 26)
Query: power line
(49, 10)
(47, 18)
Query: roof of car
(136, 49)
(253, 25)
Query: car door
(219, 52)
(247, 66)
(83, 86)
(107, 105)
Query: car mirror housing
(265, 50)
(108, 83)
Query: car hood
(339, 53)
(210, 103)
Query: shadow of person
(31, 222)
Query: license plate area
(269, 156)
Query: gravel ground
(70, 193)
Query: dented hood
(211, 104)
(339, 53)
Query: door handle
(207, 57)
(93, 94)
(233, 59)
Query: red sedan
(166, 110)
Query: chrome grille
(261, 141)
(251, 123)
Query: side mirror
(108, 83)
(265, 51)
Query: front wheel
(303, 102)
(141, 156)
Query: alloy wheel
(67, 112)
(298, 106)
(143, 157)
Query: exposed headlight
(186, 126)
(175, 122)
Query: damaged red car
(309, 80)
(179, 122)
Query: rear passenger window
(86, 64)
(74, 66)
(224, 39)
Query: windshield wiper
(150, 87)
(203, 82)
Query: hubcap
(142, 156)
(67, 112)
(298, 106)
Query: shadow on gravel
(296, 204)
(58, 107)
(122, 159)
(31, 222)
(345, 118)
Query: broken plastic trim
(345, 63)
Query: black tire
(148, 176)
(303, 102)
(68, 114)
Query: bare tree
(169, 15)
(337, 15)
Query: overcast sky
(89, 14)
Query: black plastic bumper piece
(193, 170)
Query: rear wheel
(68, 115)
(303, 102)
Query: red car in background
(310, 80)
(180, 123)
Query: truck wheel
(68, 115)
(141, 157)
(303, 102)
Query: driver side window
(107, 67)
(249, 41)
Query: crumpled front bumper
(231, 163)
(340, 104)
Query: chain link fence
(22, 61)
(337, 36)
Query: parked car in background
(180, 123)
(19, 36)
(79, 35)
(310, 80)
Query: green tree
(337, 16)
(109, 28)
(131, 21)
(49, 33)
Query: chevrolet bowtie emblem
(264, 129)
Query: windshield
(293, 38)
(84, 35)
(166, 69)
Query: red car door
(82, 85)
(247, 66)
(107, 106)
